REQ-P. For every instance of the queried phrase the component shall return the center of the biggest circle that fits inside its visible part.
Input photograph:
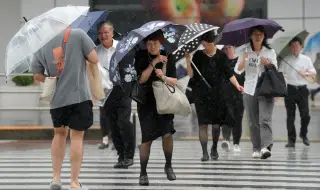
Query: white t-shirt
(301, 63)
(253, 68)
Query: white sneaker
(225, 145)
(236, 148)
(256, 154)
(265, 153)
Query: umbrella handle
(202, 78)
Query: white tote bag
(49, 88)
(171, 99)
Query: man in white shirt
(116, 112)
(295, 68)
(104, 51)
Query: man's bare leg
(58, 148)
(76, 155)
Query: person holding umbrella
(149, 64)
(258, 55)
(213, 65)
(295, 68)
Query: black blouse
(214, 69)
(142, 61)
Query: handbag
(271, 83)
(170, 99)
(137, 92)
(50, 83)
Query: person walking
(71, 106)
(154, 125)
(213, 65)
(117, 108)
(234, 105)
(258, 55)
(298, 93)
(105, 51)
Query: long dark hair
(260, 29)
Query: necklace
(210, 55)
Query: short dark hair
(157, 35)
(102, 23)
(209, 37)
(295, 39)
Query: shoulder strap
(66, 36)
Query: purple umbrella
(236, 32)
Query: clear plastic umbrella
(36, 33)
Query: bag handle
(164, 70)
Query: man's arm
(37, 69)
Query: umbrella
(90, 23)
(281, 46)
(236, 32)
(131, 43)
(190, 42)
(36, 33)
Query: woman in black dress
(213, 65)
(154, 125)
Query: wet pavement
(27, 165)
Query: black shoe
(128, 162)
(305, 140)
(103, 146)
(205, 158)
(143, 180)
(121, 164)
(290, 145)
(214, 153)
(170, 173)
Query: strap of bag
(164, 70)
(65, 40)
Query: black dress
(209, 103)
(153, 125)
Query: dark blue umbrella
(236, 32)
(90, 23)
(132, 42)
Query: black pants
(297, 95)
(234, 113)
(118, 112)
(104, 127)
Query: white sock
(105, 140)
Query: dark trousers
(234, 115)
(297, 95)
(118, 112)
(104, 127)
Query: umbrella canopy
(281, 44)
(236, 32)
(189, 41)
(131, 43)
(36, 33)
(90, 24)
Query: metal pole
(54, 3)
